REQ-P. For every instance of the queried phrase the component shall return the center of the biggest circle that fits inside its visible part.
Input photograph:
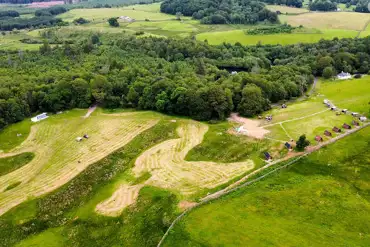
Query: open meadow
(312, 117)
(322, 197)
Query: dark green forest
(221, 11)
(183, 77)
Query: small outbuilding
(363, 119)
(347, 126)
(327, 133)
(287, 145)
(355, 114)
(267, 156)
(333, 108)
(337, 130)
(284, 106)
(355, 123)
(318, 138)
(344, 110)
(40, 117)
(79, 139)
(344, 76)
(86, 136)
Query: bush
(80, 21)
(113, 22)
(328, 72)
(302, 143)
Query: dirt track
(252, 127)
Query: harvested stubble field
(287, 10)
(328, 20)
(59, 157)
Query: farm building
(284, 106)
(344, 110)
(318, 138)
(333, 108)
(327, 133)
(355, 123)
(363, 119)
(355, 114)
(234, 72)
(267, 156)
(126, 19)
(346, 126)
(287, 145)
(79, 139)
(344, 76)
(40, 117)
(337, 130)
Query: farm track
(295, 119)
(241, 183)
(59, 158)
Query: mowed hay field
(167, 168)
(215, 38)
(328, 20)
(59, 157)
(322, 200)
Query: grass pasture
(350, 94)
(287, 10)
(215, 38)
(312, 117)
(106, 13)
(322, 197)
(12, 163)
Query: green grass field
(350, 94)
(234, 36)
(320, 198)
(12, 163)
(347, 94)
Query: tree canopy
(221, 11)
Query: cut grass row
(324, 196)
(69, 212)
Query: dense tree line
(291, 3)
(21, 23)
(183, 77)
(9, 13)
(323, 5)
(56, 10)
(221, 11)
(285, 28)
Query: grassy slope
(10, 164)
(234, 36)
(9, 138)
(61, 208)
(321, 198)
(350, 94)
(220, 146)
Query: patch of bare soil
(183, 205)
(250, 127)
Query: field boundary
(238, 184)
(363, 29)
